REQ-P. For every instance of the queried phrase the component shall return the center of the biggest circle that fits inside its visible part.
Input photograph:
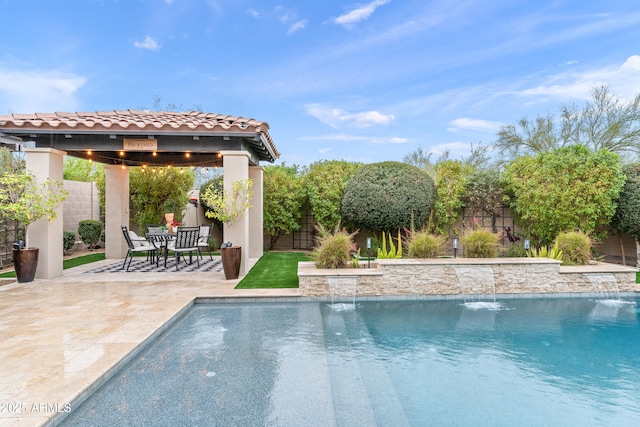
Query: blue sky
(362, 81)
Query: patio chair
(136, 244)
(205, 237)
(186, 241)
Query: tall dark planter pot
(25, 261)
(231, 258)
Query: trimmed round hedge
(381, 197)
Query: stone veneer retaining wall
(443, 276)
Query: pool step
(363, 393)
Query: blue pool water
(545, 362)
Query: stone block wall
(82, 203)
(467, 276)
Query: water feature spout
(342, 288)
(478, 286)
(605, 285)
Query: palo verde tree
(325, 182)
(284, 201)
(421, 159)
(569, 188)
(152, 194)
(605, 122)
(627, 217)
(383, 196)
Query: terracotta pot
(25, 261)
(231, 258)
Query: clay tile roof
(134, 121)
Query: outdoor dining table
(160, 242)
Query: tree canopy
(154, 194)
(605, 122)
(284, 200)
(451, 182)
(569, 188)
(325, 183)
(383, 196)
(627, 217)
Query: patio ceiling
(137, 138)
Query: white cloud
(397, 140)
(324, 150)
(456, 150)
(335, 117)
(624, 81)
(474, 124)
(38, 91)
(299, 25)
(356, 15)
(148, 43)
(254, 13)
(342, 137)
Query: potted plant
(24, 201)
(229, 207)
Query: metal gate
(304, 238)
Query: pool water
(560, 362)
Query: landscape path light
(455, 247)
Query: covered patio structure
(124, 139)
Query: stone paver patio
(60, 336)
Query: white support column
(256, 214)
(47, 163)
(116, 210)
(236, 168)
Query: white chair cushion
(135, 239)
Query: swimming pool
(569, 362)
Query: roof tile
(134, 120)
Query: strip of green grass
(67, 263)
(274, 270)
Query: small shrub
(516, 251)
(544, 252)
(393, 252)
(575, 247)
(103, 236)
(481, 244)
(68, 240)
(425, 245)
(334, 248)
(89, 231)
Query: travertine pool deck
(60, 336)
